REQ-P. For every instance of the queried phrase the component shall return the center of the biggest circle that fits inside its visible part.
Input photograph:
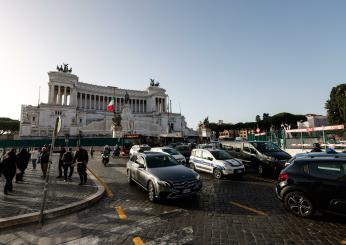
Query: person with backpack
(67, 159)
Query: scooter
(105, 159)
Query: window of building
(33, 119)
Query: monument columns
(65, 95)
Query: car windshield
(160, 161)
(145, 148)
(170, 151)
(266, 147)
(183, 148)
(221, 155)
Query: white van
(217, 162)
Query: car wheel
(129, 178)
(151, 192)
(217, 173)
(260, 169)
(299, 204)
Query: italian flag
(110, 106)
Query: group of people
(13, 164)
(67, 160)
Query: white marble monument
(82, 107)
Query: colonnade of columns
(60, 95)
(100, 102)
(160, 104)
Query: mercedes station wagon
(162, 176)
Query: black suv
(313, 183)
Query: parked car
(171, 151)
(265, 156)
(217, 162)
(162, 176)
(139, 148)
(315, 154)
(313, 183)
(185, 150)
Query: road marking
(137, 241)
(343, 242)
(249, 209)
(109, 192)
(120, 212)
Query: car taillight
(283, 176)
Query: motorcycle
(105, 159)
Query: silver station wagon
(162, 176)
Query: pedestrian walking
(34, 156)
(67, 162)
(22, 164)
(44, 159)
(82, 158)
(61, 162)
(8, 169)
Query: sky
(229, 60)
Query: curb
(55, 212)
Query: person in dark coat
(23, 161)
(44, 160)
(9, 165)
(82, 158)
(68, 161)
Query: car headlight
(163, 183)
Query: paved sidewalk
(27, 196)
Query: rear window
(328, 170)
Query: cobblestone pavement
(215, 216)
(27, 196)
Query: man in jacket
(44, 160)
(23, 161)
(67, 159)
(82, 158)
(9, 165)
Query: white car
(139, 148)
(171, 151)
(217, 162)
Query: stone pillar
(51, 94)
(59, 95)
(163, 105)
(85, 100)
(89, 102)
(65, 95)
(94, 106)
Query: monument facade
(83, 110)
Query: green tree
(8, 126)
(258, 118)
(336, 105)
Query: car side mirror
(210, 158)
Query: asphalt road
(224, 212)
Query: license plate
(239, 171)
(187, 191)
